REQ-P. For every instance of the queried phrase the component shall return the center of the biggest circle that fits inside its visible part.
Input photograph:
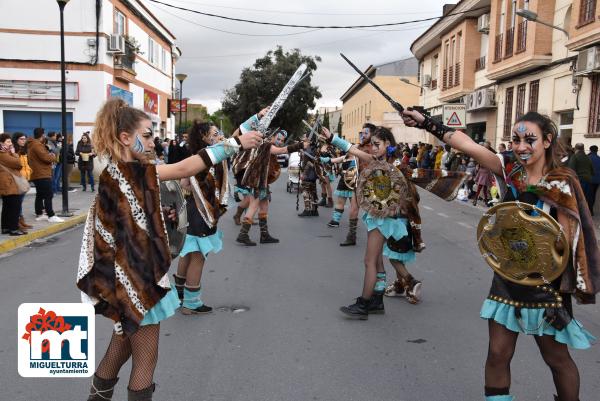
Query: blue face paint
(521, 128)
(138, 146)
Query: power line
(358, 13)
(311, 26)
(233, 33)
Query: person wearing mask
(595, 182)
(19, 141)
(10, 167)
(86, 155)
(41, 160)
(583, 167)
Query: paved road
(292, 343)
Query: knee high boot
(237, 218)
(265, 237)
(179, 284)
(351, 237)
(102, 389)
(243, 237)
(141, 395)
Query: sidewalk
(79, 203)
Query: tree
(339, 126)
(260, 84)
(326, 120)
(219, 117)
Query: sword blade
(397, 106)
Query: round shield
(351, 177)
(172, 196)
(523, 244)
(274, 170)
(383, 190)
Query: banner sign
(174, 106)
(150, 102)
(115, 91)
(37, 90)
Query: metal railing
(510, 42)
(457, 74)
(127, 60)
(434, 83)
(498, 48)
(451, 76)
(480, 63)
(522, 36)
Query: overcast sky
(214, 60)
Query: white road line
(464, 224)
(427, 207)
(443, 215)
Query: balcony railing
(522, 37)
(451, 76)
(480, 63)
(434, 83)
(510, 42)
(457, 74)
(127, 60)
(498, 48)
(445, 80)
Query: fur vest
(211, 192)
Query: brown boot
(23, 225)
(329, 203)
(351, 237)
(102, 389)
(141, 395)
(237, 217)
(243, 238)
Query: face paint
(138, 145)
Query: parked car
(283, 159)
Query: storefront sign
(174, 106)
(115, 91)
(150, 102)
(37, 90)
(455, 115)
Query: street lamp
(533, 17)
(63, 154)
(180, 78)
(406, 81)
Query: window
(587, 11)
(594, 120)
(151, 46)
(163, 59)
(434, 67)
(534, 93)
(119, 23)
(521, 100)
(508, 105)
(565, 127)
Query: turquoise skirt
(165, 308)
(396, 228)
(532, 322)
(204, 245)
(331, 177)
(343, 194)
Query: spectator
(595, 182)
(445, 164)
(19, 141)
(10, 172)
(40, 160)
(414, 151)
(438, 157)
(583, 167)
(428, 160)
(421, 154)
(57, 170)
(70, 161)
(53, 147)
(86, 155)
(405, 158)
(158, 149)
(483, 179)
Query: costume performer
(309, 176)
(254, 170)
(543, 311)
(345, 187)
(206, 201)
(125, 253)
(326, 177)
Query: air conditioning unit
(427, 80)
(588, 61)
(481, 99)
(116, 44)
(483, 23)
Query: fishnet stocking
(118, 352)
(144, 353)
(564, 370)
(500, 352)
(375, 243)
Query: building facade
(362, 103)
(485, 55)
(112, 48)
(334, 114)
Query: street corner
(8, 243)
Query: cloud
(214, 60)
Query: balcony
(125, 64)
(522, 37)
(498, 48)
(510, 41)
(480, 64)
(450, 77)
(585, 25)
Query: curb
(18, 242)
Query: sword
(313, 128)
(397, 106)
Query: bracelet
(435, 128)
(325, 160)
(341, 143)
(215, 154)
(295, 147)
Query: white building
(112, 48)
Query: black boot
(179, 284)
(243, 237)
(237, 218)
(265, 237)
(329, 203)
(376, 305)
(358, 310)
(141, 395)
(351, 237)
(102, 389)
(323, 201)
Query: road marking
(464, 224)
(443, 215)
(427, 207)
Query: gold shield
(382, 190)
(523, 244)
(350, 177)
